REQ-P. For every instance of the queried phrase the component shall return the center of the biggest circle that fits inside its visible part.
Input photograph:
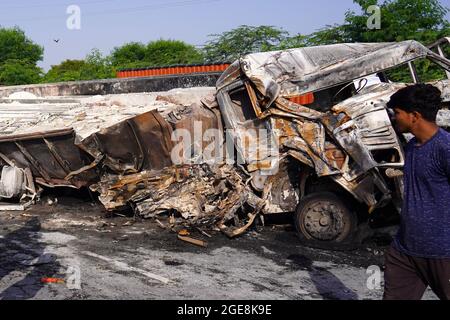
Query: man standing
(420, 254)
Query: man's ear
(416, 116)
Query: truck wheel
(322, 220)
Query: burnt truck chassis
(340, 164)
(331, 154)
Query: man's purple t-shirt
(425, 226)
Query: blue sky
(109, 23)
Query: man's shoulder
(444, 139)
(445, 135)
(441, 147)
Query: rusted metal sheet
(300, 71)
(51, 156)
(131, 146)
(57, 158)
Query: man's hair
(422, 98)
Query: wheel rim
(325, 221)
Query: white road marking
(124, 266)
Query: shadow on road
(327, 284)
(22, 255)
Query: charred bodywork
(310, 128)
(325, 109)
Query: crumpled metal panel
(368, 130)
(203, 123)
(254, 147)
(51, 156)
(139, 143)
(308, 137)
(58, 158)
(299, 71)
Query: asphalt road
(96, 256)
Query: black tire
(322, 220)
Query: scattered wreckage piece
(201, 194)
(193, 241)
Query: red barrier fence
(171, 70)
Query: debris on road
(53, 280)
(196, 242)
(184, 233)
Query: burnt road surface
(75, 250)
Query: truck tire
(322, 220)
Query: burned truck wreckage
(303, 131)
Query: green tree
(68, 70)
(170, 52)
(95, 66)
(15, 45)
(421, 20)
(17, 72)
(229, 45)
(155, 54)
(18, 58)
(130, 55)
(296, 41)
